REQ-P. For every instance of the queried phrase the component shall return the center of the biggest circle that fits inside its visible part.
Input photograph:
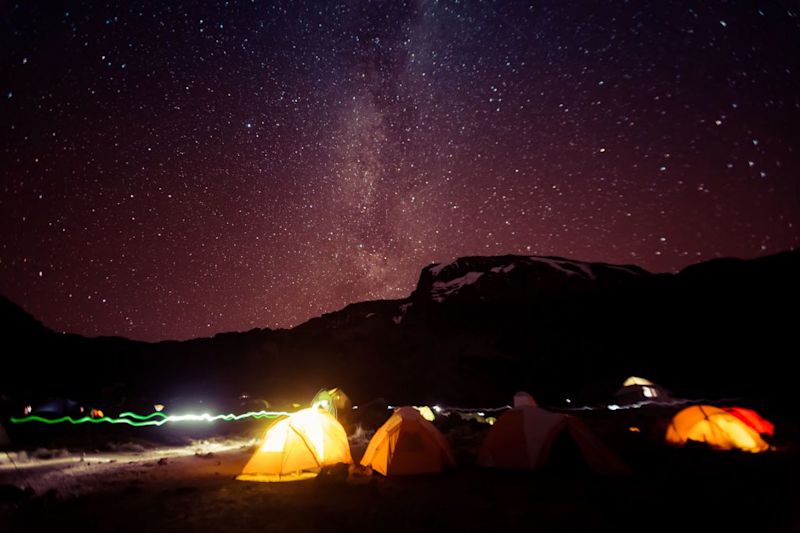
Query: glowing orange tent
(752, 419)
(407, 444)
(527, 437)
(715, 427)
(296, 447)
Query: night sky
(173, 170)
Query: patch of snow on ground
(441, 289)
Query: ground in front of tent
(672, 488)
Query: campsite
(439, 433)
(565, 471)
(485, 411)
(399, 265)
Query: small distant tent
(635, 380)
(715, 427)
(528, 437)
(333, 400)
(523, 399)
(407, 444)
(57, 408)
(426, 412)
(296, 447)
(640, 390)
(752, 419)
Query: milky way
(172, 170)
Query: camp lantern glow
(275, 439)
(297, 446)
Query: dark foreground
(678, 490)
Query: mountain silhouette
(473, 331)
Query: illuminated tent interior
(715, 427)
(528, 437)
(635, 380)
(752, 419)
(297, 446)
(407, 444)
(640, 390)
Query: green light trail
(153, 419)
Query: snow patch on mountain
(442, 289)
(624, 269)
(439, 281)
(503, 269)
(585, 269)
(436, 270)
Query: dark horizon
(172, 172)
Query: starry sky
(178, 169)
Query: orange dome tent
(715, 427)
(407, 444)
(296, 447)
(527, 437)
(752, 419)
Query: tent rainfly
(528, 437)
(752, 419)
(407, 444)
(334, 400)
(715, 427)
